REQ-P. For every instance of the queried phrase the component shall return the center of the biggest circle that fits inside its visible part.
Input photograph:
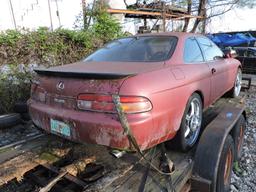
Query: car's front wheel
(190, 125)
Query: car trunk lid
(62, 91)
(60, 86)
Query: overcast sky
(34, 13)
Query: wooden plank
(148, 13)
(155, 181)
(67, 176)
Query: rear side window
(210, 50)
(192, 52)
(136, 49)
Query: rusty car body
(162, 95)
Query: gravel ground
(244, 177)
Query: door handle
(213, 70)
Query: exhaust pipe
(117, 154)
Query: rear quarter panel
(233, 65)
(169, 90)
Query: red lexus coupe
(164, 81)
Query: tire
(238, 137)
(21, 107)
(25, 116)
(225, 166)
(235, 91)
(9, 120)
(190, 127)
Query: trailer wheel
(225, 166)
(238, 136)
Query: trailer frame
(196, 170)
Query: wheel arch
(200, 93)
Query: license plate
(60, 127)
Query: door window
(210, 50)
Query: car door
(219, 74)
(196, 68)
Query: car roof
(177, 34)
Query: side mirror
(230, 53)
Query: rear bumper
(95, 128)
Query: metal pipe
(50, 14)
(58, 12)
(13, 17)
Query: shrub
(106, 27)
(19, 49)
(14, 86)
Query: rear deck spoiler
(85, 75)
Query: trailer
(206, 167)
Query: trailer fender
(209, 149)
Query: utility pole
(58, 13)
(50, 14)
(13, 17)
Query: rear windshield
(136, 49)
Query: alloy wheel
(193, 121)
(238, 83)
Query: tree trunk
(125, 4)
(204, 22)
(201, 12)
(185, 27)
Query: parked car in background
(247, 56)
(164, 81)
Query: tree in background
(20, 51)
(208, 9)
(104, 25)
(247, 3)
(205, 9)
(96, 20)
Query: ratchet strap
(128, 132)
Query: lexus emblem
(60, 86)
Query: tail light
(104, 103)
(38, 93)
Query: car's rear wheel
(190, 125)
(235, 91)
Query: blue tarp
(224, 40)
